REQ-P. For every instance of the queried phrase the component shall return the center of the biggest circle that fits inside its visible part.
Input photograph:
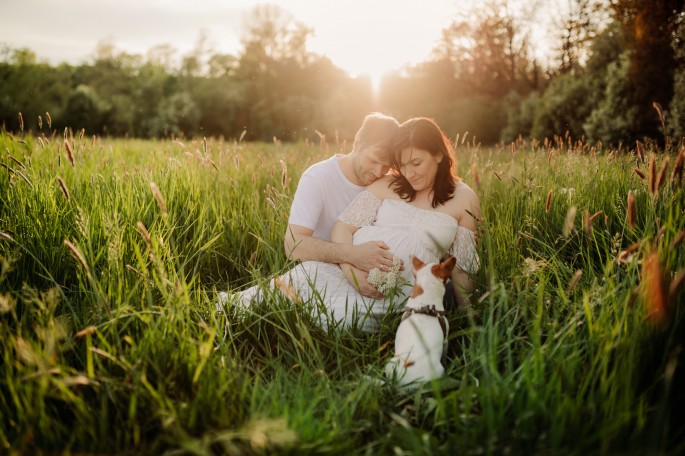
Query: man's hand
(372, 254)
(358, 280)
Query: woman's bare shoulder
(382, 187)
(462, 191)
(465, 205)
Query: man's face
(372, 163)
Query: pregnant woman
(422, 208)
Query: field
(111, 252)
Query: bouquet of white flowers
(386, 281)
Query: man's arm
(300, 244)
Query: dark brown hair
(423, 133)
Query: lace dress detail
(464, 250)
(362, 210)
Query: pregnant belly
(403, 242)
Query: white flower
(386, 281)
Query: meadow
(112, 251)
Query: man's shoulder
(324, 169)
(327, 163)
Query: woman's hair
(423, 133)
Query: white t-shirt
(322, 194)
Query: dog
(421, 335)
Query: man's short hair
(376, 130)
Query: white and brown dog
(422, 334)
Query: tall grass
(111, 252)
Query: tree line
(617, 76)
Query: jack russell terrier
(422, 334)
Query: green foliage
(612, 119)
(175, 115)
(111, 341)
(676, 118)
(649, 27)
(562, 108)
(85, 109)
(520, 115)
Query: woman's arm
(463, 286)
(468, 216)
(342, 233)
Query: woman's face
(419, 167)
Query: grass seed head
(48, 119)
(548, 203)
(639, 173)
(76, 253)
(159, 198)
(661, 176)
(573, 283)
(21, 122)
(631, 211)
(677, 240)
(640, 152)
(654, 289)
(69, 151)
(284, 173)
(144, 232)
(588, 220)
(625, 256)
(86, 331)
(570, 220)
(63, 186)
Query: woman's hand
(358, 279)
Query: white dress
(406, 229)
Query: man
(324, 191)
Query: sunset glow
(361, 37)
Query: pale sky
(360, 36)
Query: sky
(363, 37)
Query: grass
(109, 263)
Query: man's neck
(346, 163)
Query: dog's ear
(417, 263)
(444, 269)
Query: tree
(649, 27)
(176, 115)
(676, 118)
(280, 74)
(614, 117)
(31, 88)
(85, 109)
(577, 30)
(489, 51)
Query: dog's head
(428, 276)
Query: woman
(422, 208)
